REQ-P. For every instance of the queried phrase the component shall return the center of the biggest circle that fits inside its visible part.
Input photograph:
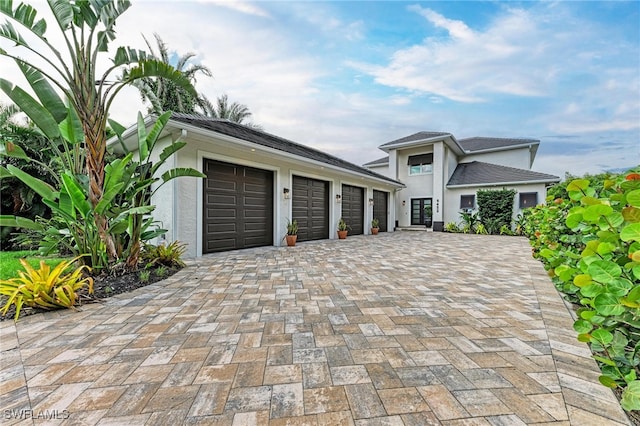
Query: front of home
(442, 175)
(257, 182)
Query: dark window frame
(528, 199)
(464, 201)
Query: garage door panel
(310, 208)
(353, 208)
(380, 208)
(238, 210)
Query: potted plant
(343, 229)
(292, 232)
(428, 221)
(375, 226)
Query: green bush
(495, 208)
(589, 242)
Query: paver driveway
(413, 328)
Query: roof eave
(522, 182)
(206, 132)
(455, 145)
(528, 145)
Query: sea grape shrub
(590, 244)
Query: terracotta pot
(342, 234)
(291, 240)
(374, 231)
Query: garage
(353, 208)
(310, 207)
(380, 203)
(238, 207)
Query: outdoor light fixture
(404, 203)
(437, 205)
(286, 194)
(338, 198)
(370, 201)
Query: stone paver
(405, 328)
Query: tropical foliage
(99, 207)
(45, 288)
(589, 242)
(78, 118)
(495, 208)
(167, 255)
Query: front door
(421, 212)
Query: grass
(10, 262)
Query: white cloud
(240, 6)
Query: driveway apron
(404, 328)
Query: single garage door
(353, 208)
(310, 207)
(380, 202)
(238, 207)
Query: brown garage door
(310, 207)
(238, 207)
(380, 208)
(353, 208)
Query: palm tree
(163, 94)
(235, 111)
(87, 28)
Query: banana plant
(87, 28)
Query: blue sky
(346, 77)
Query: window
(467, 202)
(420, 164)
(528, 199)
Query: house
(255, 183)
(441, 175)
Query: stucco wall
(452, 198)
(188, 217)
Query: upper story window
(528, 199)
(420, 164)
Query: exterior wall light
(286, 194)
(370, 201)
(338, 198)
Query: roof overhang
(495, 184)
(178, 128)
(448, 139)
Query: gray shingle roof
(479, 173)
(378, 162)
(482, 143)
(416, 137)
(259, 137)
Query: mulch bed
(104, 286)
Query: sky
(348, 76)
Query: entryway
(421, 212)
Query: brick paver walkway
(410, 328)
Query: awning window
(417, 160)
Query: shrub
(169, 255)
(44, 288)
(495, 208)
(590, 244)
(451, 227)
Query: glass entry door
(421, 212)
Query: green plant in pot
(375, 226)
(292, 232)
(343, 229)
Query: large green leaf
(607, 304)
(44, 91)
(143, 147)
(26, 15)
(630, 232)
(42, 188)
(40, 116)
(594, 212)
(9, 149)
(71, 127)
(631, 396)
(157, 129)
(19, 222)
(157, 68)
(181, 172)
(78, 197)
(63, 12)
(633, 198)
(108, 197)
(604, 271)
